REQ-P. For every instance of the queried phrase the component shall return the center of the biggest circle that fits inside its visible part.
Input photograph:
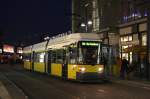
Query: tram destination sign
(89, 44)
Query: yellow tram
(75, 56)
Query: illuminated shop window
(130, 38)
(144, 39)
(126, 38)
(122, 39)
(130, 57)
(124, 47)
(130, 45)
(125, 55)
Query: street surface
(41, 86)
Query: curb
(12, 89)
(145, 85)
(3, 92)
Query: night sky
(28, 20)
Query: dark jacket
(124, 65)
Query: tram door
(107, 55)
(65, 65)
(32, 61)
(49, 62)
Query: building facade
(124, 25)
(102, 13)
(133, 45)
(81, 14)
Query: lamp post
(46, 38)
(86, 22)
(86, 25)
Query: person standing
(1, 58)
(117, 67)
(124, 68)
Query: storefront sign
(8, 48)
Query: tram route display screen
(89, 52)
(89, 44)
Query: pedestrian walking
(124, 68)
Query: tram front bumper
(90, 76)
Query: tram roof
(71, 38)
(27, 49)
(62, 41)
(39, 46)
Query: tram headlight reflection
(82, 69)
(100, 69)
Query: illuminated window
(19, 50)
(21, 57)
(121, 39)
(126, 38)
(130, 38)
(130, 45)
(130, 57)
(124, 47)
(0, 50)
(144, 39)
(41, 59)
(125, 55)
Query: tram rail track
(22, 80)
(13, 89)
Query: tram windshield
(89, 52)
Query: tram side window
(59, 58)
(39, 57)
(72, 55)
(27, 57)
(53, 56)
(36, 57)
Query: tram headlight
(100, 69)
(82, 69)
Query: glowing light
(90, 23)
(82, 69)
(42, 55)
(145, 14)
(74, 66)
(1, 51)
(89, 44)
(83, 25)
(100, 69)
(8, 48)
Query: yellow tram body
(65, 57)
(56, 69)
(27, 65)
(39, 67)
(74, 69)
(27, 57)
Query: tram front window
(88, 53)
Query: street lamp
(83, 25)
(90, 23)
(46, 38)
(86, 25)
(87, 22)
